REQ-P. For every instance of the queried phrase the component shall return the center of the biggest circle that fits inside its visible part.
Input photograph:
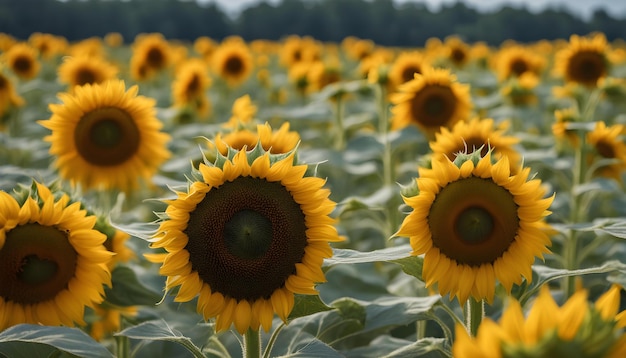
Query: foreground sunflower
(476, 223)
(53, 262)
(606, 144)
(576, 329)
(431, 100)
(106, 137)
(247, 237)
(476, 134)
(584, 61)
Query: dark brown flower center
(84, 76)
(519, 66)
(245, 238)
(22, 64)
(234, 65)
(408, 73)
(586, 67)
(605, 149)
(433, 106)
(155, 58)
(107, 136)
(36, 263)
(473, 221)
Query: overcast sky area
(582, 8)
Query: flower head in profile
(607, 144)
(243, 112)
(246, 237)
(190, 85)
(9, 98)
(431, 100)
(104, 136)
(476, 223)
(279, 141)
(575, 329)
(53, 262)
(584, 61)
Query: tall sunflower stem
(383, 129)
(252, 344)
(339, 130)
(122, 347)
(421, 329)
(474, 313)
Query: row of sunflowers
(298, 198)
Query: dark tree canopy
(382, 21)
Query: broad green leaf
(127, 290)
(29, 340)
(411, 265)
(348, 256)
(419, 348)
(387, 346)
(546, 274)
(159, 330)
(307, 305)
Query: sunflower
(431, 100)
(8, 96)
(321, 74)
(81, 70)
(151, 54)
(560, 127)
(476, 134)
(114, 136)
(520, 91)
(189, 86)
(91, 46)
(114, 39)
(296, 49)
(204, 46)
(476, 223)
(584, 60)
(576, 328)
(246, 238)
(22, 59)
(456, 51)
(52, 261)
(244, 111)
(281, 141)
(405, 66)
(606, 144)
(48, 46)
(232, 61)
(513, 61)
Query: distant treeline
(382, 21)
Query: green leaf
(419, 348)
(127, 290)
(307, 305)
(29, 340)
(412, 265)
(347, 256)
(159, 330)
(387, 346)
(546, 274)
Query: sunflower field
(296, 198)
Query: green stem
(122, 347)
(252, 344)
(339, 130)
(421, 329)
(270, 343)
(383, 129)
(474, 313)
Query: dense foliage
(382, 21)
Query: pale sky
(583, 8)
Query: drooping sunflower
(246, 238)
(53, 262)
(477, 133)
(576, 328)
(104, 136)
(232, 61)
(606, 144)
(431, 100)
(584, 60)
(243, 112)
(81, 70)
(405, 66)
(22, 59)
(321, 74)
(476, 223)
(515, 60)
